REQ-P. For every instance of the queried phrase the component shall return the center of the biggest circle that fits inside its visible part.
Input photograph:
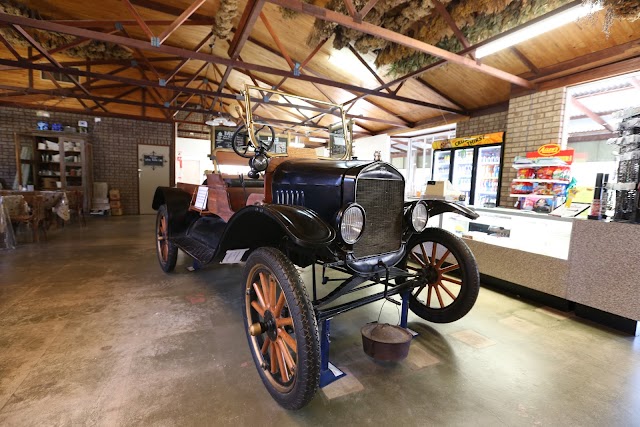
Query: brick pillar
(532, 120)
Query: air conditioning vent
(59, 76)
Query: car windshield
(298, 122)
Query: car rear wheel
(281, 328)
(447, 275)
(166, 250)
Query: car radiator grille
(383, 203)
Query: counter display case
(526, 231)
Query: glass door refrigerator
(487, 182)
(474, 172)
(441, 165)
(462, 176)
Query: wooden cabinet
(55, 161)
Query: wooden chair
(35, 218)
(76, 201)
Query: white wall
(364, 148)
(189, 151)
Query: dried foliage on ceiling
(90, 50)
(224, 18)
(478, 20)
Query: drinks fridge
(474, 171)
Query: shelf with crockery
(51, 160)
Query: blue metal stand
(404, 313)
(328, 372)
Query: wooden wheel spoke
(439, 296)
(414, 256)
(434, 253)
(279, 305)
(165, 251)
(444, 257)
(257, 307)
(265, 345)
(424, 254)
(288, 340)
(264, 283)
(259, 295)
(453, 297)
(429, 296)
(284, 374)
(448, 279)
(412, 268)
(420, 289)
(272, 293)
(287, 356)
(272, 353)
(284, 321)
(450, 268)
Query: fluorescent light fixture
(316, 139)
(220, 121)
(538, 28)
(296, 144)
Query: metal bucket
(384, 342)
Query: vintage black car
(344, 215)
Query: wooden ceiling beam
(138, 19)
(10, 48)
(367, 8)
(276, 39)
(245, 26)
(376, 31)
(352, 9)
(593, 116)
(367, 66)
(184, 53)
(53, 61)
(182, 63)
(526, 61)
(195, 76)
(119, 96)
(111, 23)
(180, 20)
(444, 13)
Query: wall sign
(153, 160)
(554, 151)
(470, 141)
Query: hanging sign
(553, 151)
(470, 141)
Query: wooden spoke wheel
(447, 275)
(281, 328)
(166, 250)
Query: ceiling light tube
(538, 28)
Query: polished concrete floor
(93, 333)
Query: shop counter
(572, 261)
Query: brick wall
(496, 122)
(115, 147)
(533, 120)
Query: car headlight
(352, 223)
(419, 217)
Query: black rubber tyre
(275, 298)
(441, 298)
(166, 250)
(243, 153)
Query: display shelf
(550, 162)
(547, 181)
(540, 196)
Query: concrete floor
(93, 333)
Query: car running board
(201, 253)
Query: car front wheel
(447, 276)
(281, 328)
(167, 251)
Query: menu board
(223, 138)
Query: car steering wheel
(242, 150)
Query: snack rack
(541, 184)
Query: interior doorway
(153, 171)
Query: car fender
(177, 202)
(438, 207)
(267, 225)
